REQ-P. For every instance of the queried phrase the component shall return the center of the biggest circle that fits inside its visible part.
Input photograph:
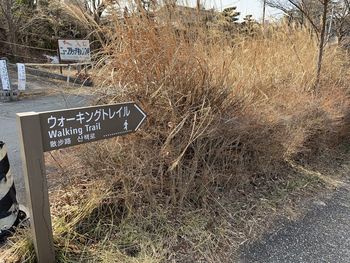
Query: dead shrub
(218, 113)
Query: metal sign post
(47, 131)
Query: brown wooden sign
(47, 131)
(65, 128)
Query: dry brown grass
(226, 117)
(219, 112)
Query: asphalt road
(8, 126)
(321, 236)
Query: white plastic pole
(4, 75)
(21, 70)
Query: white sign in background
(74, 50)
(21, 69)
(4, 75)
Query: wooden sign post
(47, 131)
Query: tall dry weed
(220, 111)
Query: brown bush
(218, 113)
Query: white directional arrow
(143, 114)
